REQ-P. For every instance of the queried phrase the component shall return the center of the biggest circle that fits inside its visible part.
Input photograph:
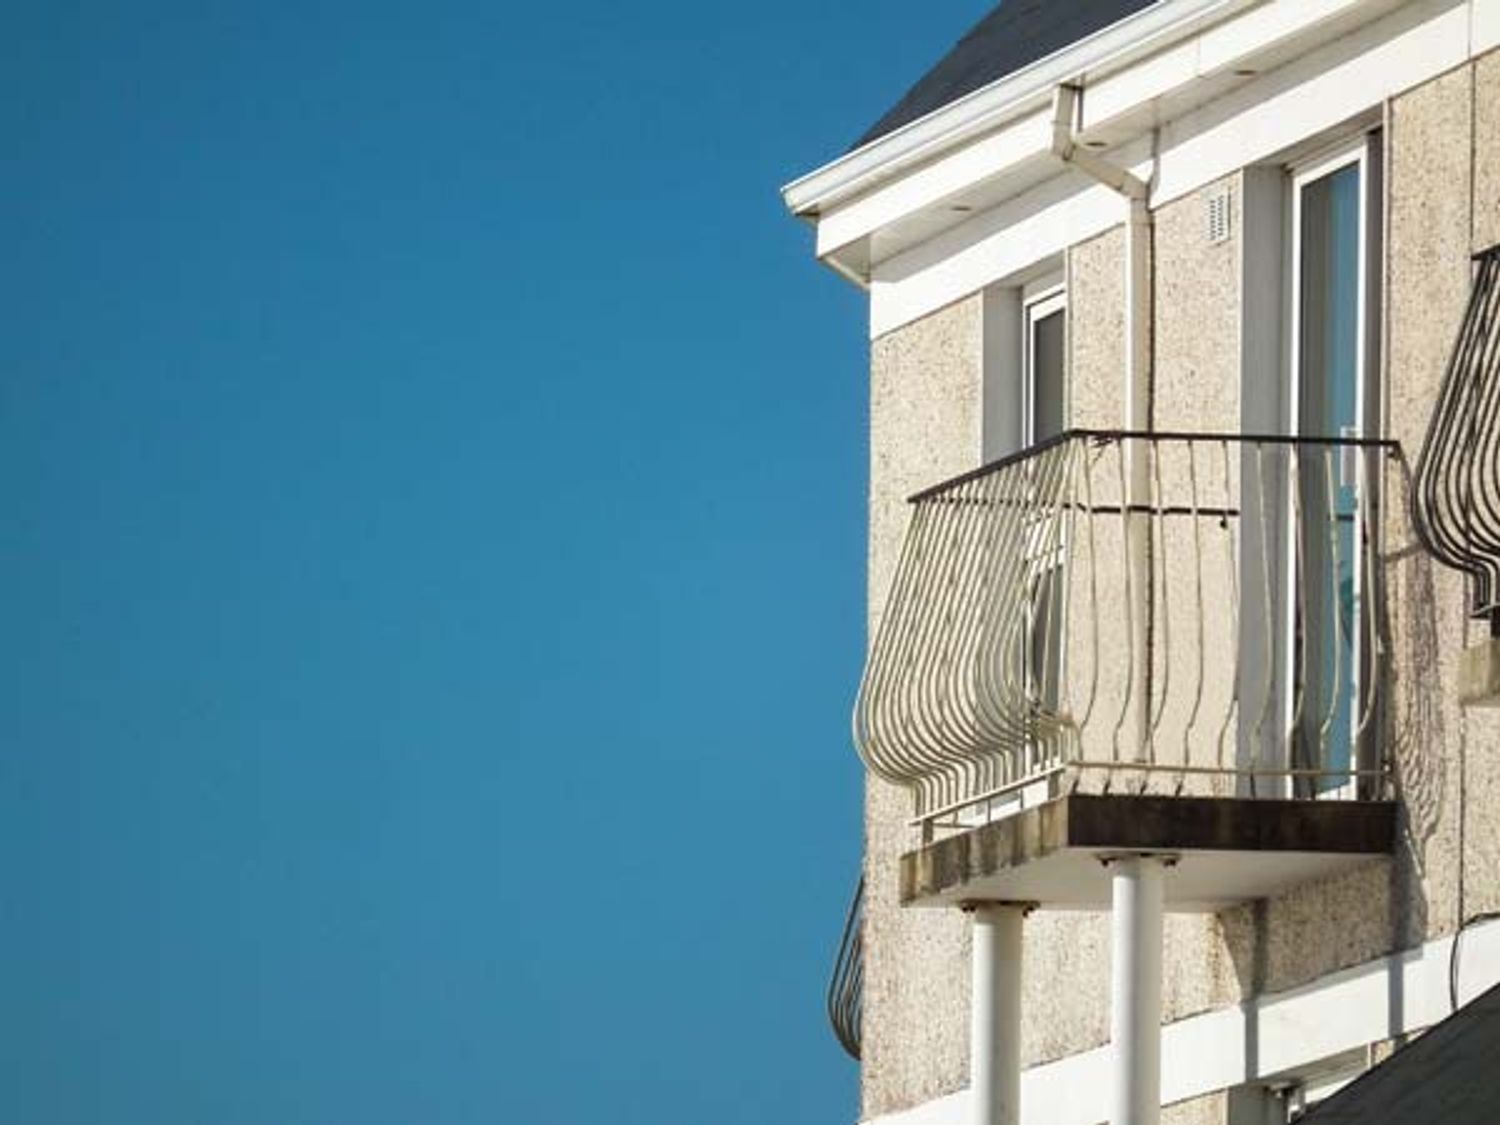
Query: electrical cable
(1472, 920)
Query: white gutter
(1003, 100)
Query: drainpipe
(995, 1013)
(1137, 389)
(1136, 881)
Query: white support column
(995, 1013)
(1135, 989)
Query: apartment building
(1183, 796)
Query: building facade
(1184, 794)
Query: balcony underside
(1228, 850)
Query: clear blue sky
(433, 474)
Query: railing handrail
(1006, 652)
(1104, 437)
(1454, 506)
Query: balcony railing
(1457, 494)
(846, 984)
(1173, 613)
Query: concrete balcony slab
(1227, 850)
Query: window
(1044, 415)
(1025, 402)
(1025, 363)
(1044, 366)
(1333, 370)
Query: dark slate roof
(1445, 1076)
(1015, 34)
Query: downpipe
(1136, 881)
(1137, 389)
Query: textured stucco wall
(1487, 151)
(925, 417)
(1195, 388)
(1196, 1111)
(1196, 330)
(1096, 331)
(1096, 392)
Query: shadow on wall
(1279, 944)
(1416, 725)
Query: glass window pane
(1048, 340)
(1328, 406)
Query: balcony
(1162, 643)
(846, 984)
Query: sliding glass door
(1331, 376)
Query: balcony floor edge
(1226, 850)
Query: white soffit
(1335, 84)
(993, 144)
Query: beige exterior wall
(925, 399)
(1197, 1111)
(926, 407)
(1196, 316)
(1096, 331)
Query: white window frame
(1361, 152)
(1042, 299)
(1038, 302)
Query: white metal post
(1137, 402)
(1135, 989)
(995, 1014)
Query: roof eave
(1001, 101)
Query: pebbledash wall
(1440, 144)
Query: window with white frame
(1333, 393)
(1026, 402)
(1044, 385)
(1025, 363)
(1044, 398)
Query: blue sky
(433, 469)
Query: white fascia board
(992, 106)
(1485, 28)
(1216, 50)
(1267, 116)
(1277, 1036)
(1266, 28)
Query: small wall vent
(1218, 216)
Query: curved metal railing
(1456, 506)
(1188, 613)
(846, 985)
